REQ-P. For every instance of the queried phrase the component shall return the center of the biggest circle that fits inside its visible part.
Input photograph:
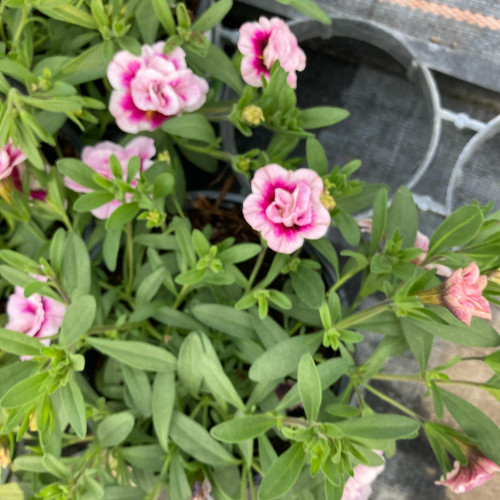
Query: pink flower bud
(478, 470)
(358, 487)
(10, 157)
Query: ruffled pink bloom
(264, 42)
(10, 157)
(358, 487)
(36, 316)
(285, 206)
(97, 157)
(462, 294)
(478, 470)
(151, 88)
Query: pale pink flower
(478, 470)
(202, 490)
(151, 88)
(358, 487)
(462, 294)
(36, 316)
(10, 157)
(285, 206)
(264, 42)
(97, 157)
(37, 192)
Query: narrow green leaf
(164, 14)
(283, 359)
(283, 473)
(316, 156)
(322, 116)
(111, 247)
(242, 428)
(25, 392)
(419, 340)
(56, 467)
(212, 16)
(457, 229)
(136, 354)
(178, 485)
(308, 286)
(123, 214)
(480, 428)
(309, 386)
(72, 399)
(383, 426)
(379, 220)
(163, 406)
(89, 201)
(190, 126)
(191, 437)
(78, 318)
(76, 278)
(139, 388)
(403, 216)
(114, 429)
(19, 343)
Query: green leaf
(19, 343)
(322, 116)
(379, 220)
(329, 372)
(283, 473)
(188, 363)
(16, 491)
(309, 8)
(89, 65)
(348, 227)
(239, 253)
(76, 278)
(212, 16)
(164, 14)
(148, 25)
(308, 286)
(114, 429)
(190, 126)
(163, 406)
(383, 426)
(79, 172)
(90, 201)
(479, 334)
(150, 286)
(111, 247)
(240, 429)
(217, 64)
(309, 387)
(25, 392)
(123, 493)
(316, 156)
(78, 318)
(419, 340)
(493, 361)
(11, 374)
(195, 440)
(123, 214)
(136, 354)
(149, 457)
(73, 403)
(236, 324)
(326, 249)
(55, 467)
(139, 388)
(70, 14)
(457, 229)
(484, 433)
(20, 261)
(403, 216)
(283, 358)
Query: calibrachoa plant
(151, 345)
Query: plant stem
(362, 315)
(252, 486)
(243, 484)
(257, 469)
(256, 267)
(418, 378)
(344, 278)
(130, 258)
(178, 206)
(393, 402)
(359, 395)
(180, 297)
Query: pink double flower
(264, 42)
(153, 87)
(286, 207)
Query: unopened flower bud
(243, 164)
(252, 115)
(494, 276)
(165, 156)
(154, 218)
(4, 452)
(327, 200)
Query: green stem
(362, 316)
(130, 258)
(180, 297)
(243, 484)
(360, 396)
(178, 206)
(393, 402)
(219, 155)
(258, 469)
(252, 486)
(406, 378)
(344, 278)
(256, 268)
(19, 31)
